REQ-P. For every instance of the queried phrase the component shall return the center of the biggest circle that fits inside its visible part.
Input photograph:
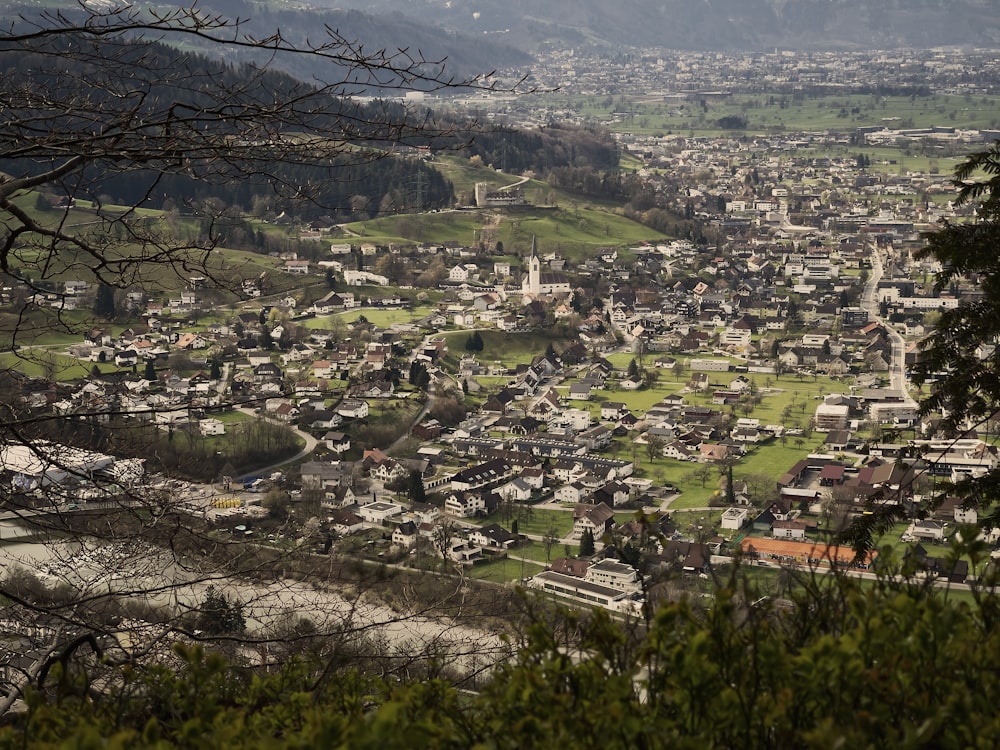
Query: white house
(353, 408)
(379, 511)
(789, 529)
(735, 519)
(212, 426)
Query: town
(597, 425)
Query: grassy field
(503, 571)
(573, 227)
(43, 363)
(509, 349)
(774, 113)
(379, 317)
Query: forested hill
(463, 55)
(355, 185)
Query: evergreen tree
(217, 615)
(150, 372)
(587, 544)
(416, 491)
(104, 302)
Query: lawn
(43, 363)
(233, 417)
(509, 349)
(383, 318)
(539, 520)
(536, 521)
(503, 571)
(574, 228)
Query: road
(869, 303)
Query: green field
(503, 571)
(786, 112)
(509, 349)
(43, 363)
(573, 228)
(379, 317)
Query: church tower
(534, 270)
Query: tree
(104, 302)
(150, 372)
(587, 544)
(550, 539)
(217, 615)
(416, 491)
(654, 446)
(856, 685)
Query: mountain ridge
(712, 25)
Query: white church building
(539, 284)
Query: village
(648, 434)
(594, 423)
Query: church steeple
(534, 269)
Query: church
(538, 284)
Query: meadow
(766, 112)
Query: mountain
(711, 24)
(465, 54)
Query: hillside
(462, 54)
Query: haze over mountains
(477, 36)
(711, 24)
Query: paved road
(869, 302)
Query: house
(570, 566)
(579, 392)
(927, 529)
(493, 536)
(211, 426)
(596, 438)
(735, 519)
(689, 557)
(516, 490)
(612, 494)
(336, 441)
(379, 511)
(405, 535)
(468, 504)
(597, 519)
(317, 475)
(612, 410)
(339, 497)
(614, 574)
(389, 471)
(346, 522)
(573, 492)
(300, 267)
(789, 530)
(353, 408)
(488, 473)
